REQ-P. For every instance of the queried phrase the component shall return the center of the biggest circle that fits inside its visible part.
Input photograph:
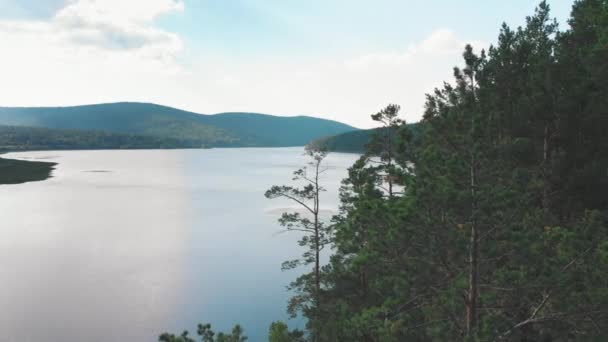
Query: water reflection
(161, 241)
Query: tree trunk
(317, 294)
(471, 313)
(317, 269)
(546, 157)
(471, 305)
(317, 237)
(389, 150)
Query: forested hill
(225, 129)
(352, 142)
(20, 138)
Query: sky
(337, 59)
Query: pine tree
(308, 197)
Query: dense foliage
(494, 224)
(206, 334)
(219, 130)
(16, 138)
(500, 230)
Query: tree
(492, 225)
(207, 335)
(279, 332)
(488, 242)
(384, 145)
(309, 222)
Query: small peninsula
(14, 171)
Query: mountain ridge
(226, 129)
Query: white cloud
(96, 51)
(86, 32)
(118, 11)
(116, 23)
(89, 51)
(105, 24)
(441, 42)
(347, 90)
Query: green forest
(17, 138)
(491, 226)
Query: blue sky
(320, 27)
(339, 59)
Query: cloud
(90, 52)
(105, 24)
(441, 43)
(94, 51)
(116, 24)
(348, 89)
(118, 11)
(85, 50)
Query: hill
(352, 142)
(225, 129)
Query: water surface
(123, 245)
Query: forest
(491, 226)
(19, 138)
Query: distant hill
(225, 129)
(352, 142)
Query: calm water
(123, 245)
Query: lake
(124, 245)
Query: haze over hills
(218, 130)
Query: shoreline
(20, 171)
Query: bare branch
(297, 201)
(301, 230)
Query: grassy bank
(19, 171)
